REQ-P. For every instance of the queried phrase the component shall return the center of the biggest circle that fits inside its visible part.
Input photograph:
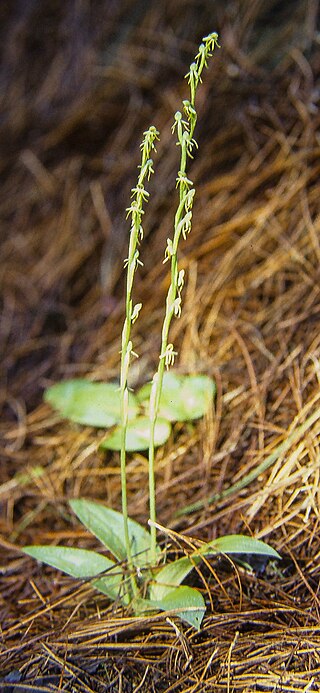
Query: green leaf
(112, 588)
(171, 576)
(107, 525)
(239, 544)
(87, 403)
(80, 563)
(183, 398)
(138, 434)
(188, 601)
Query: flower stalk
(135, 212)
(184, 126)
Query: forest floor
(80, 84)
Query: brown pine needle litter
(80, 83)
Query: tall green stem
(184, 126)
(135, 211)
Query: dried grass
(70, 126)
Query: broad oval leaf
(79, 563)
(183, 397)
(174, 573)
(138, 435)
(107, 525)
(239, 544)
(88, 403)
(113, 588)
(171, 575)
(188, 603)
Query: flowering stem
(135, 212)
(184, 126)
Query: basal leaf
(171, 575)
(87, 403)
(79, 563)
(239, 544)
(138, 434)
(107, 525)
(114, 589)
(188, 602)
(183, 398)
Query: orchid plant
(138, 574)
